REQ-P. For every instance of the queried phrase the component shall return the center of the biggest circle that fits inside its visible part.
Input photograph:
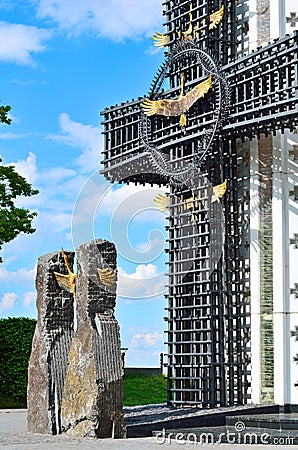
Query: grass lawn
(141, 389)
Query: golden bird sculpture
(162, 202)
(191, 203)
(191, 32)
(179, 106)
(160, 40)
(219, 191)
(107, 277)
(67, 282)
(216, 18)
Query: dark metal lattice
(209, 308)
(264, 98)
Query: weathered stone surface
(50, 348)
(93, 395)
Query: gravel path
(13, 436)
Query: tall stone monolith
(50, 347)
(93, 394)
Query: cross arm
(125, 158)
(264, 89)
(264, 98)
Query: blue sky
(61, 63)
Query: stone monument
(50, 348)
(92, 400)
(75, 378)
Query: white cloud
(58, 187)
(21, 276)
(26, 168)
(29, 297)
(147, 340)
(57, 184)
(85, 137)
(114, 19)
(152, 244)
(56, 174)
(20, 42)
(145, 282)
(134, 202)
(60, 221)
(9, 135)
(26, 82)
(8, 301)
(143, 271)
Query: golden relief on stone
(107, 277)
(67, 282)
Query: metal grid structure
(264, 89)
(208, 307)
(225, 42)
(264, 98)
(209, 316)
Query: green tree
(4, 110)
(13, 220)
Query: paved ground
(13, 436)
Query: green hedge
(15, 347)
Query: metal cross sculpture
(192, 132)
(293, 19)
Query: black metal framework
(208, 307)
(209, 310)
(264, 98)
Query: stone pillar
(285, 222)
(93, 395)
(50, 347)
(255, 274)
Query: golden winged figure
(160, 40)
(191, 203)
(67, 282)
(106, 276)
(219, 191)
(162, 202)
(179, 106)
(191, 32)
(216, 18)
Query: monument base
(253, 422)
